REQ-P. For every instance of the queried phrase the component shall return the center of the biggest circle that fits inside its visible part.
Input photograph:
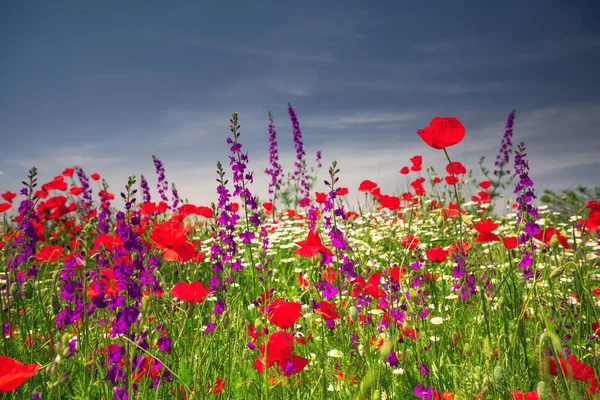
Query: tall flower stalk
(503, 157)
(302, 183)
(162, 184)
(275, 171)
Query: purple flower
(423, 393)
(392, 359)
(162, 185)
(164, 344)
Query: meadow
(449, 290)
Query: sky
(105, 85)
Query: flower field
(449, 290)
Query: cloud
(360, 119)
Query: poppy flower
(283, 314)
(417, 162)
(485, 185)
(404, 170)
(321, 198)
(342, 191)
(95, 176)
(76, 190)
(458, 168)
(194, 292)
(170, 236)
(573, 369)
(372, 288)
(312, 246)
(279, 349)
(442, 132)
(68, 172)
(510, 242)
(410, 242)
(13, 373)
(545, 235)
(49, 253)
(451, 180)
(518, 395)
(9, 196)
(235, 207)
(396, 273)
(436, 254)
(485, 229)
(367, 186)
(327, 311)
(5, 206)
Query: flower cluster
(162, 184)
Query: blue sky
(105, 85)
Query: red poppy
(596, 328)
(190, 209)
(279, 348)
(510, 242)
(284, 314)
(376, 192)
(485, 229)
(390, 202)
(68, 172)
(268, 207)
(95, 176)
(436, 254)
(302, 282)
(451, 180)
(58, 183)
(396, 273)
(194, 292)
(76, 190)
(5, 206)
(410, 242)
(330, 275)
(235, 207)
(327, 311)
(545, 235)
(445, 396)
(219, 385)
(573, 369)
(458, 168)
(416, 161)
(170, 236)
(372, 288)
(518, 395)
(312, 246)
(342, 191)
(50, 253)
(442, 132)
(305, 202)
(9, 196)
(404, 170)
(13, 373)
(457, 245)
(321, 198)
(485, 185)
(367, 186)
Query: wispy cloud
(372, 118)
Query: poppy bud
(414, 295)
(55, 303)
(258, 325)
(353, 314)
(440, 220)
(145, 303)
(553, 242)
(556, 272)
(466, 219)
(15, 291)
(385, 349)
(543, 390)
(27, 290)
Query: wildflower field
(448, 290)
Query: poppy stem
(455, 193)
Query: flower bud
(55, 303)
(556, 272)
(27, 290)
(553, 242)
(353, 314)
(15, 291)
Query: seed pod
(27, 290)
